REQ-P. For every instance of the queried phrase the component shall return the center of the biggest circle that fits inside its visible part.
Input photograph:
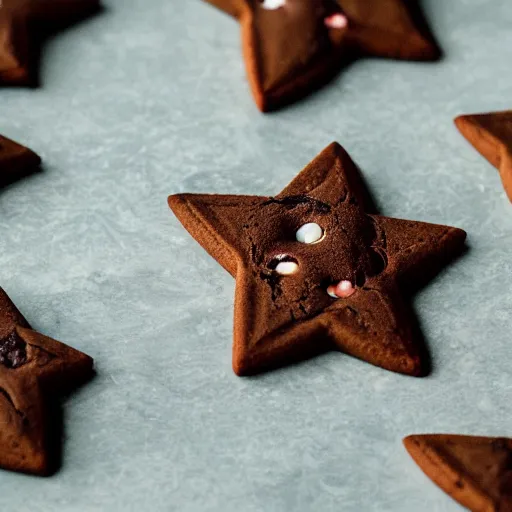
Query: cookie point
(408, 441)
(456, 239)
(240, 366)
(177, 202)
(460, 233)
(262, 101)
(460, 121)
(238, 370)
(408, 364)
(173, 200)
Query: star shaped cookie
(22, 25)
(315, 272)
(32, 368)
(292, 47)
(15, 160)
(475, 471)
(491, 134)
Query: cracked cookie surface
(341, 285)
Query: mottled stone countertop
(149, 99)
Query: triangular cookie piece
(491, 135)
(15, 160)
(475, 471)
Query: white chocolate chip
(309, 233)
(287, 268)
(273, 4)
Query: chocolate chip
(13, 353)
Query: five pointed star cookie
(475, 471)
(292, 47)
(315, 272)
(491, 135)
(32, 367)
(22, 22)
(15, 160)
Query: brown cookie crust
(23, 23)
(15, 160)
(491, 135)
(290, 51)
(32, 366)
(475, 471)
(281, 319)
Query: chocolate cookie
(491, 134)
(475, 471)
(315, 272)
(15, 160)
(32, 368)
(292, 47)
(23, 23)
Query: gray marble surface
(150, 99)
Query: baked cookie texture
(315, 272)
(292, 47)
(32, 369)
(24, 23)
(15, 160)
(475, 471)
(491, 135)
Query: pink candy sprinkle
(336, 21)
(342, 290)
